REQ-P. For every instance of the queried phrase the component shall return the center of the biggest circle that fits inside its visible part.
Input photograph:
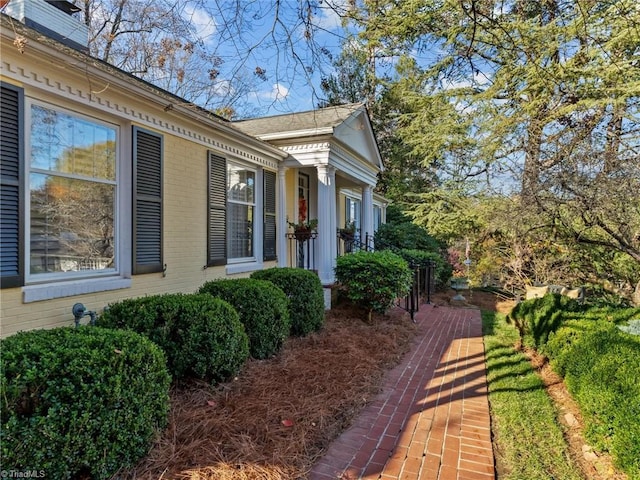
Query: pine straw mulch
(279, 415)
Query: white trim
(235, 268)
(47, 279)
(49, 291)
(105, 77)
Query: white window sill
(49, 291)
(243, 267)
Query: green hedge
(405, 235)
(80, 402)
(263, 310)
(201, 336)
(601, 368)
(373, 280)
(306, 298)
(535, 319)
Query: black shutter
(147, 202)
(11, 190)
(269, 244)
(217, 211)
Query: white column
(281, 227)
(325, 243)
(367, 212)
(334, 222)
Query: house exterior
(333, 162)
(112, 188)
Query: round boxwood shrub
(201, 336)
(80, 402)
(374, 280)
(263, 309)
(306, 298)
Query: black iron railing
(354, 242)
(422, 287)
(302, 250)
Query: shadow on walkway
(431, 421)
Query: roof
(312, 120)
(173, 102)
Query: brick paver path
(431, 422)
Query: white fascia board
(287, 135)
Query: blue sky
(258, 42)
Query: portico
(333, 163)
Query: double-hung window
(241, 209)
(72, 178)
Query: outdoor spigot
(79, 311)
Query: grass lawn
(528, 441)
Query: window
(352, 213)
(240, 211)
(72, 195)
(377, 217)
(303, 193)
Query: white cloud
(278, 92)
(479, 79)
(328, 16)
(203, 23)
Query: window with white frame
(72, 185)
(241, 211)
(377, 217)
(353, 212)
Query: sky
(273, 42)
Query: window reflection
(240, 214)
(72, 193)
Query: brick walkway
(431, 422)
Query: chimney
(53, 18)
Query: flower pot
(302, 235)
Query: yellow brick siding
(184, 249)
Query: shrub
(263, 309)
(80, 402)
(201, 336)
(306, 298)
(443, 269)
(600, 365)
(373, 280)
(406, 235)
(535, 319)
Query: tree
(546, 92)
(214, 53)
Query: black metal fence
(302, 250)
(422, 287)
(351, 243)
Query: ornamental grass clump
(306, 298)
(80, 403)
(374, 280)
(263, 310)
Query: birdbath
(458, 284)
